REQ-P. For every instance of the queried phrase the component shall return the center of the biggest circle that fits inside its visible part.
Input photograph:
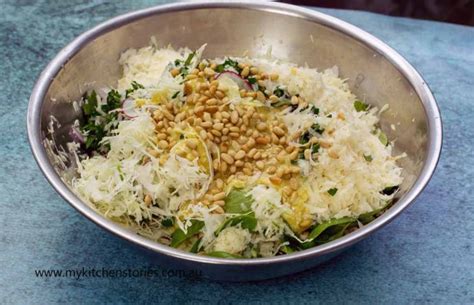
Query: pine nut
(220, 203)
(227, 158)
(278, 131)
(218, 126)
(262, 140)
(174, 72)
(163, 144)
(239, 155)
(245, 72)
(275, 180)
(147, 200)
(192, 143)
(234, 117)
(261, 126)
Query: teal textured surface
(424, 256)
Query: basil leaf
(369, 216)
(247, 221)
(178, 237)
(322, 227)
(360, 106)
(332, 191)
(223, 254)
(287, 249)
(196, 246)
(237, 202)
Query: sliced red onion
(76, 135)
(241, 82)
(128, 108)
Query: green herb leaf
(119, 169)
(228, 63)
(95, 129)
(183, 71)
(175, 95)
(237, 202)
(247, 221)
(315, 110)
(282, 102)
(383, 138)
(178, 237)
(167, 222)
(287, 249)
(322, 227)
(220, 68)
(196, 246)
(370, 216)
(368, 158)
(390, 190)
(190, 57)
(222, 254)
(90, 104)
(252, 80)
(278, 92)
(316, 127)
(360, 106)
(332, 191)
(315, 148)
(113, 101)
(135, 86)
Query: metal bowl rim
(429, 103)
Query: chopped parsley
(315, 148)
(278, 92)
(95, 122)
(252, 80)
(184, 65)
(190, 57)
(306, 136)
(315, 110)
(368, 158)
(135, 86)
(360, 106)
(332, 191)
(175, 95)
(228, 63)
(167, 222)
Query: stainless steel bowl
(375, 72)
